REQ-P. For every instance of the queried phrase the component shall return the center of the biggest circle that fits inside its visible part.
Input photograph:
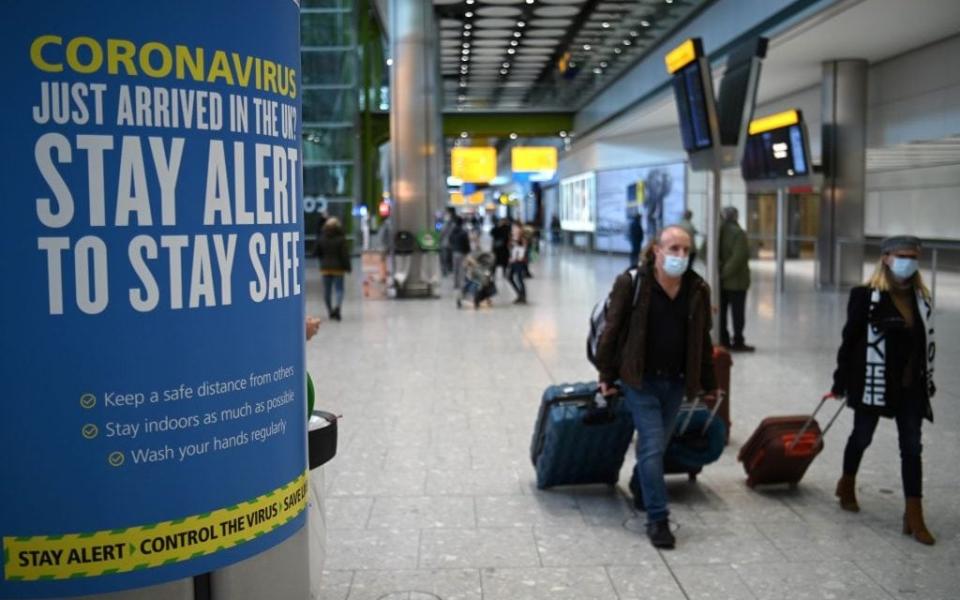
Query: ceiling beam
(501, 124)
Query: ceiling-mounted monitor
(696, 108)
(778, 147)
(693, 95)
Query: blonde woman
(885, 369)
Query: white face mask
(675, 266)
(903, 268)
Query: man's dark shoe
(660, 535)
(742, 348)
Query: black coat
(850, 375)
(501, 243)
(460, 240)
(334, 252)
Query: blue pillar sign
(153, 408)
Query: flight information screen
(692, 105)
(776, 154)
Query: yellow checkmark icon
(90, 431)
(115, 459)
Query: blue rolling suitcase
(577, 440)
(698, 440)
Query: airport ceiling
(545, 55)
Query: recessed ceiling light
(461, 98)
(605, 25)
(529, 1)
(514, 42)
(468, 26)
(668, 1)
(603, 64)
(521, 24)
(465, 58)
(463, 84)
(586, 47)
(466, 44)
(513, 136)
(511, 51)
(517, 34)
(634, 34)
(563, 134)
(504, 71)
(506, 65)
(470, 2)
(617, 50)
(463, 134)
(598, 70)
(573, 64)
(466, 34)
(626, 42)
(464, 52)
(389, 62)
(468, 15)
(645, 23)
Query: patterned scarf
(874, 391)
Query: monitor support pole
(781, 239)
(713, 251)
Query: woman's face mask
(903, 267)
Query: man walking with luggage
(657, 344)
(734, 279)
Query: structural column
(416, 158)
(844, 109)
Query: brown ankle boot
(913, 522)
(847, 492)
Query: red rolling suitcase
(721, 366)
(782, 448)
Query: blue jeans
(654, 408)
(333, 284)
(516, 279)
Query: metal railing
(790, 238)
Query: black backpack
(598, 317)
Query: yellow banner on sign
(771, 122)
(533, 159)
(683, 55)
(457, 199)
(98, 553)
(476, 164)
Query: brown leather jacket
(620, 352)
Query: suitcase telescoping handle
(809, 422)
(713, 413)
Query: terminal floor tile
(432, 494)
